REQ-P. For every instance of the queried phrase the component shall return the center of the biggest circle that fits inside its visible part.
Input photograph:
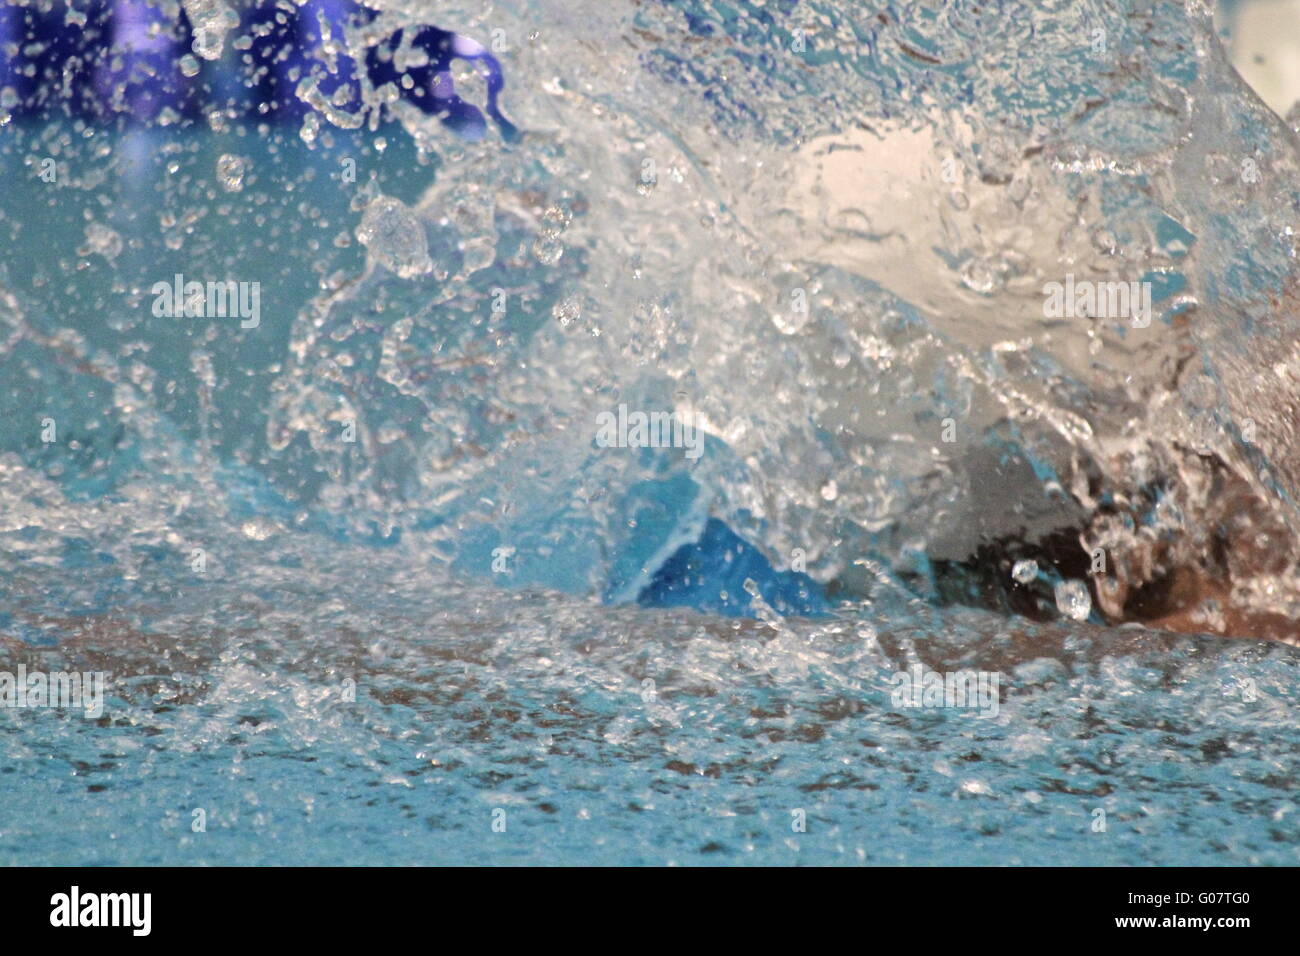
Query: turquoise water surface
(366, 585)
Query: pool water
(377, 570)
(619, 735)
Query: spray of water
(946, 288)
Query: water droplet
(395, 237)
(788, 323)
(1103, 240)
(103, 240)
(211, 20)
(230, 172)
(548, 249)
(310, 128)
(1025, 571)
(981, 276)
(1073, 599)
(567, 311)
(556, 219)
(257, 529)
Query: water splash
(374, 545)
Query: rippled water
(367, 581)
(627, 735)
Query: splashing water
(369, 391)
